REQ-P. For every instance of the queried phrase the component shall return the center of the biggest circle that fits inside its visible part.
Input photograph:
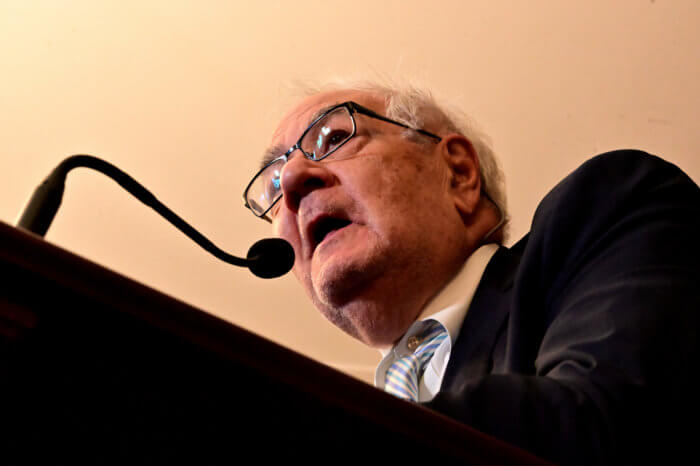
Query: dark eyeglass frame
(352, 108)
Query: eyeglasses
(324, 136)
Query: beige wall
(183, 96)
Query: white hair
(416, 106)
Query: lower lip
(332, 235)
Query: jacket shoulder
(625, 208)
(605, 180)
(606, 190)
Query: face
(375, 230)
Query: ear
(465, 181)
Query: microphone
(268, 258)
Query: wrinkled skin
(414, 209)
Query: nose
(301, 176)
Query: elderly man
(578, 343)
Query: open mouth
(325, 226)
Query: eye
(329, 142)
(327, 134)
(273, 183)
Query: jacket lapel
(472, 355)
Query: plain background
(184, 96)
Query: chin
(355, 289)
(363, 321)
(362, 308)
(338, 282)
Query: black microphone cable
(268, 258)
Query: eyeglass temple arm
(501, 214)
(360, 109)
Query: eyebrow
(271, 154)
(277, 150)
(321, 111)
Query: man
(578, 343)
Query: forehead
(299, 118)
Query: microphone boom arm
(44, 203)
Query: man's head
(380, 225)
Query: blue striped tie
(403, 375)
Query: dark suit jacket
(580, 342)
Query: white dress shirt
(449, 307)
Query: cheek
(284, 227)
(404, 187)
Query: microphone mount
(268, 258)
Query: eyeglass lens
(327, 134)
(319, 141)
(266, 188)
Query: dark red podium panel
(98, 369)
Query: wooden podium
(98, 369)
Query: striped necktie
(404, 374)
